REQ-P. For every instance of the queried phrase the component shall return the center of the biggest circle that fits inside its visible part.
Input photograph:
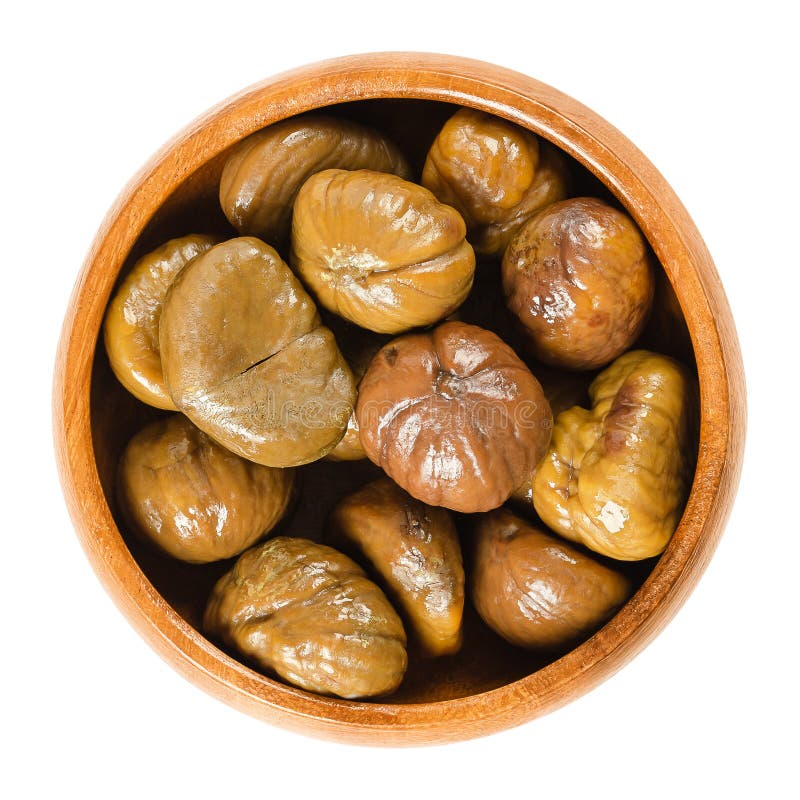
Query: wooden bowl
(490, 686)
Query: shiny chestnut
(264, 172)
(247, 359)
(414, 549)
(130, 327)
(495, 173)
(579, 278)
(537, 591)
(379, 251)
(616, 476)
(308, 613)
(453, 416)
(194, 499)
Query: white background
(89, 92)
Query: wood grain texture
(184, 172)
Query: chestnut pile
(470, 335)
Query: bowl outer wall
(674, 238)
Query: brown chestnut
(615, 477)
(264, 172)
(414, 549)
(247, 359)
(308, 613)
(380, 251)
(495, 173)
(194, 499)
(453, 416)
(578, 277)
(537, 591)
(130, 328)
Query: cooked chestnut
(453, 416)
(415, 550)
(247, 359)
(495, 173)
(308, 613)
(579, 278)
(615, 478)
(380, 251)
(264, 172)
(537, 591)
(130, 329)
(193, 498)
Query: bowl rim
(673, 236)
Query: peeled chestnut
(247, 359)
(130, 328)
(380, 251)
(194, 499)
(579, 278)
(537, 591)
(453, 416)
(615, 477)
(414, 549)
(495, 173)
(308, 613)
(264, 172)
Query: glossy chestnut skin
(308, 613)
(247, 359)
(453, 416)
(130, 328)
(578, 276)
(414, 548)
(380, 251)
(264, 172)
(497, 174)
(615, 478)
(537, 591)
(194, 499)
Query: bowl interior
(485, 661)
